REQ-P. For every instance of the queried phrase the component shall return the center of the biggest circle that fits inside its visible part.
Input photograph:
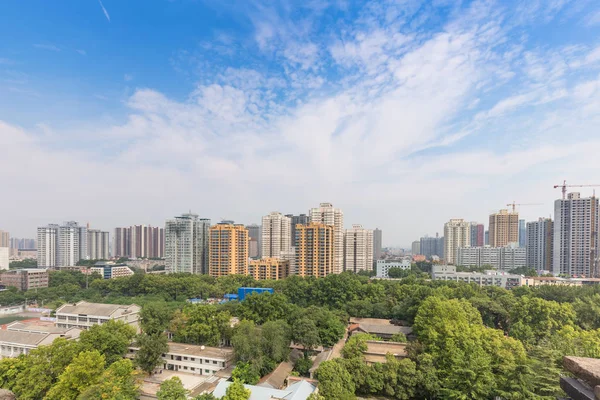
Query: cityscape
(300, 200)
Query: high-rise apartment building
(575, 248)
(328, 215)
(377, 244)
(97, 244)
(358, 249)
(301, 219)
(504, 228)
(315, 250)
(276, 231)
(477, 235)
(254, 250)
(502, 258)
(4, 239)
(61, 245)
(539, 244)
(22, 244)
(432, 246)
(228, 249)
(486, 239)
(139, 241)
(522, 233)
(269, 268)
(416, 247)
(186, 244)
(457, 233)
(4, 258)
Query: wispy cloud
(127, 77)
(82, 52)
(104, 9)
(50, 47)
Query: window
(206, 371)
(214, 362)
(185, 358)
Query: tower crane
(514, 205)
(564, 187)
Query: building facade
(328, 215)
(575, 248)
(16, 243)
(503, 228)
(61, 245)
(276, 231)
(416, 247)
(457, 233)
(20, 338)
(4, 239)
(522, 233)
(98, 244)
(186, 244)
(26, 278)
(477, 235)
(4, 258)
(358, 249)
(377, 244)
(228, 249)
(383, 266)
(301, 219)
(254, 246)
(539, 244)
(84, 315)
(139, 241)
(315, 250)
(269, 268)
(110, 270)
(501, 258)
(432, 246)
(488, 278)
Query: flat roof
(36, 326)
(379, 347)
(200, 351)
(85, 308)
(23, 338)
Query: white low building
(110, 270)
(20, 338)
(193, 359)
(487, 278)
(383, 266)
(502, 258)
(84, 315)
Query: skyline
(403, 116)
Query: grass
(11, 318)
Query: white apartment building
(84, 315)
(276, 235)
(487, 278)
(47, 246)
(328, 215)
(575, 242)
(20, 338)
(538, 244)
(457, 233)
(192, 359)
(61, 245)
(358, 249)
(4, 258)
(383, 266)
(501, 258)
(97, 244)
(186, 244)
(109, 270)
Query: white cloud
(104, 10)
(50, 47)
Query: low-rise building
(84, 315)
(378, 350)
(556, 281)
(382, 328)
(487, 278)
(192, 359)
(383, 266)
(502, 258)
(269, 268)
(110, 270)
(300, 390)
(20, 338)
(26, 278)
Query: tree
(151, 349)
(399, 272)
(534, 318)
(275, 339)
(118, 382)
(155, 317)
(306, 334)
(172, 389)
(245, 373)
(335, 382)
(111, 339)
(246, 342)
(201, 324)
(264, 307)
(84, 371)
(205, 396)
(303, 366)
(237, 391)
(399, 337)
(356, 346)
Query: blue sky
(402, 113)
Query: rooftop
(276, 379)
(36, 326)
(85, 308)
(200, 351)
(297, 391)
(24, 338)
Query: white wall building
(575, 246)
(20, 338)
(84, 315)
(4, 258)
(109, 270)
(502, 258)
(457, 233)
(47, 246)
(276, 235)
(328, 215)
(61, 245)
(358, 249)
(383, 266)
(487, 278)
(97, 244)
(186, 244)
(538, 244)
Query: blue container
(245, 291)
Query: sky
(403, 113)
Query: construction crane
(514, 205)
(564, 187)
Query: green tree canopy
(111, 339)
(118, 382)
(172, 389)
(237, 391)
(155, 317)
(84, 371)
(335, 382)
(151, 349)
